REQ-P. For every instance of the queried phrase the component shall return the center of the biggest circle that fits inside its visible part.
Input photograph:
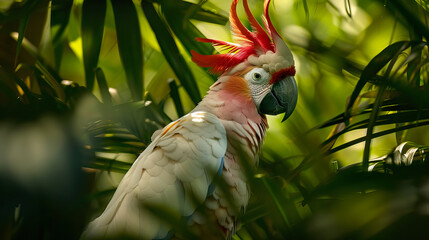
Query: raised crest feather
(256, 42)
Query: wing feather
(176, 169)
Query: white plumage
(176, 168)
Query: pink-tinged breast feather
(241, 106)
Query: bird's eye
(257, 75)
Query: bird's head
(261, 58)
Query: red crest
(255, 42)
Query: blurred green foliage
(85, 83)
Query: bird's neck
(229, 98)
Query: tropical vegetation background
(85, 83)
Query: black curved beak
(281, 99)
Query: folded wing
(175, 171)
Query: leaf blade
(21, 32)
(60, 14)
(174, 93)
(171, 52)
(373, 67)
(129, 44)
(93, 15)
(104, 88)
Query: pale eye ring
(257, 76)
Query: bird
(179, 168)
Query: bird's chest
(244, 142)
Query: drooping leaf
(413, 71)
(49, 75)
(375, 111)
(93, 14)
(210, 17)
(174, 93)
(395, 111)
(409, 14)
(133, 114)
(379, 134)
(305, 4)
(424, 4)
(400, 103)
(106, 164)
(385, 119)
(130, 45)
(8, 90)
(104, 88)
(21, 32)
(189, 10)
(171, 52)
(27, 95)
(20, 12)
(370, 128)
(60, 14)
(373, 67)
(185, 31)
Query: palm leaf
(93, 14)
